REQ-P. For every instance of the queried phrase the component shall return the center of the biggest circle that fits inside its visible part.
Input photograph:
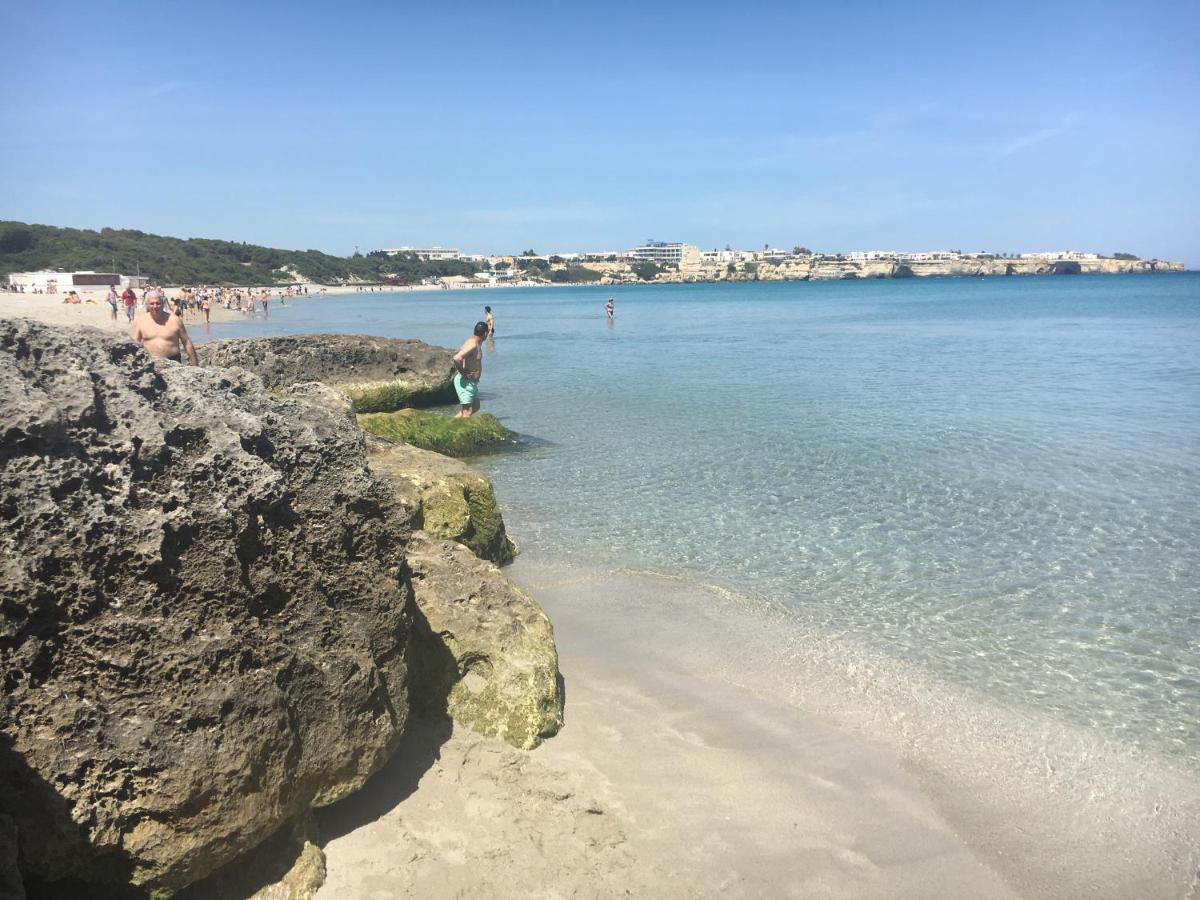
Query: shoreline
(43, 306)
(685, 770)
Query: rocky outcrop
(377, 374)
(289, 865)
(204, 617)
(841, 268)
(12, 886)
(487, 651)
(451, 436)
(446, 498)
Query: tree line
(170, 260)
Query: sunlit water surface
(995, 482)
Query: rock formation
(487, 650)
(835, 267)
(204, 616)
(378, 374)
(445, 498)
(451, 436)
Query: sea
(962, 500)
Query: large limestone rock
(446, 498)
(486, 649)
(203, 611)
(378, 374)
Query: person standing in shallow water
(609, 307)
(491, 323)
(468, 369)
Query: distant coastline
(43, 257)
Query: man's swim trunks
(466, 388)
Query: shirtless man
(491, 322)
(161, 332)
(610, 307)
(468, 368)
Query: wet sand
(677, 776)
(666, 781)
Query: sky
(559, 127)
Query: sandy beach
(671, 779)
(666, 782)
(49, 308)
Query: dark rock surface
(203, 608)
(378, 374)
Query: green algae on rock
(483, 650)
(445, 497)
(388, 396)
(441, 434)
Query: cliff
(835, 268)
(208, 621)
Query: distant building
(426, 253)
(57, 282)
(662, 252)
(865, 255)
(1061, 254)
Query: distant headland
(35, 254)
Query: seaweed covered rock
(446, 498)
(486, 649)
(448, 435)
(377, 374)
(204, 610)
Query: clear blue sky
(498, 127)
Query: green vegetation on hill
(199, 260)
(574, 275)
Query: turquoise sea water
(993, 482)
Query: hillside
(170, 260)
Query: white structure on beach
(426, 252)
(48, 282)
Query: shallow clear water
(995, 481)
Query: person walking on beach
(113, 301)
(129, 298)
(610, 308)
(162, 333)
(491, 323)
(468, 369)
(206, 306)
